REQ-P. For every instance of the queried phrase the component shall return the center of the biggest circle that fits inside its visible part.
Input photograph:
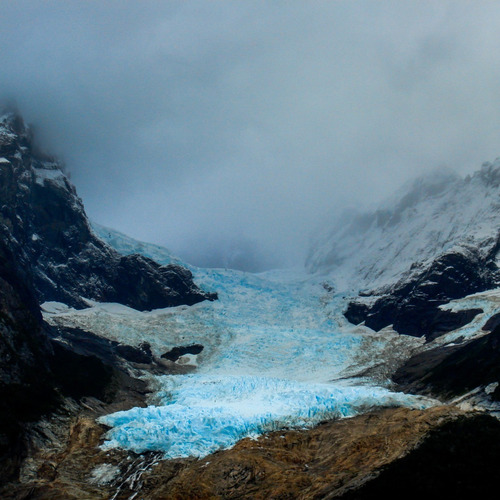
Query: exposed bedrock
(451, 371)
(412, 306)
(175, 353)
(40, 208)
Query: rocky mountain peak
(489, 173)
(40, 209)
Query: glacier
(201, 414)
(278, 353)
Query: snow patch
(488, 301)
(49, 174)
(104, 474)
(491, 388)
(52, 307)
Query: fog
(230, 132)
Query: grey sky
(217, 127)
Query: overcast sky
(218, 127)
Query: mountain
(41, 210)
(435, 241)
(49, 252)
(121, 376)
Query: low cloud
(238, 128)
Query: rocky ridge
(48, 252)
(438, 240)
(42, 212)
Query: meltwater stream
(277, 354)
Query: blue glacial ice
(201, 414)
(277, 351)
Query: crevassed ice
(201, 414)
(276, 350)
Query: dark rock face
(141, 354)
(453, 371)
(412, 306)
(35, 373)
(456, 460)
(175, 353)
(40, 208)
(25, 380)
(20, 318)
(108, 351)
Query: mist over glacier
(231, 131)
(262, 298)
(278, 353)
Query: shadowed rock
(175, 353)
(454, 370)
(412, 307)
(40, 208)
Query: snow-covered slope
(434, 215)
(437, 240)
(126, 245)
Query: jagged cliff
(40, 209)
(48, 252)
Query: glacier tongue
(277, 350)
(205, 413)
